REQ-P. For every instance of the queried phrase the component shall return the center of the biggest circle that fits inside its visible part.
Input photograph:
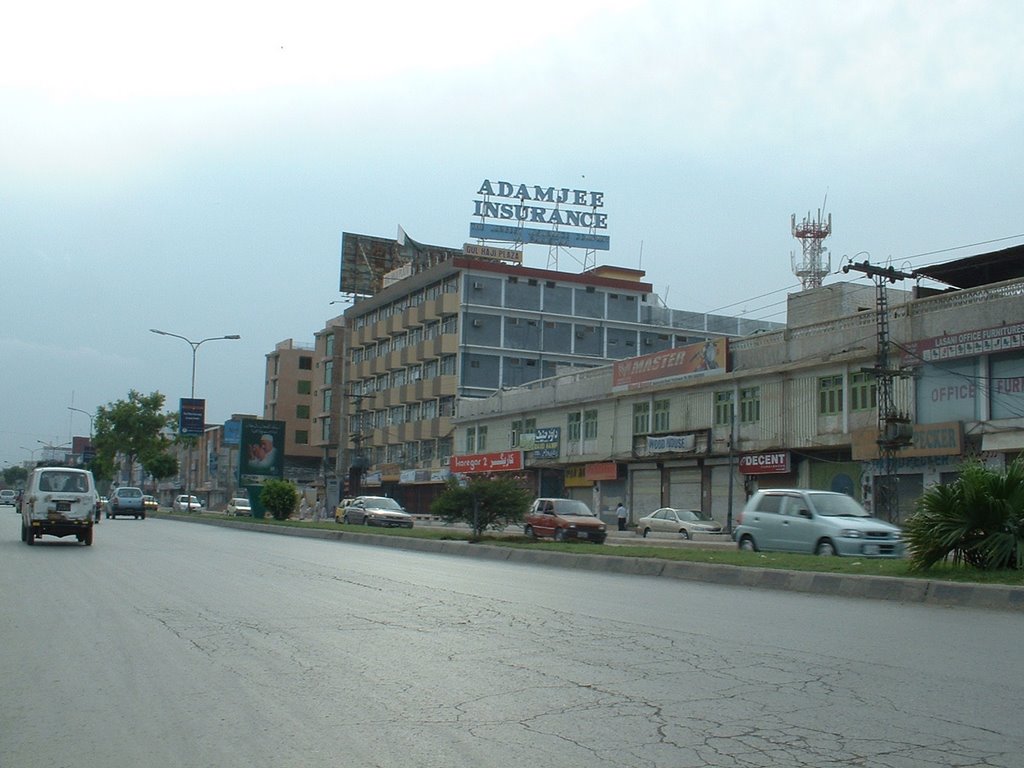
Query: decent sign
(774, 463)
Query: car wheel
(559, 534)
(747, 544)
(685, 534)
(528, 531)
(30, 537)
(143, 515)
(88, 538)
(825, 548)
(346, 520)
(23, 533)
(646, 531)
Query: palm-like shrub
(978, 520)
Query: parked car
(822, 522)
(8, 497)
(238, 506)
(685, 522)
(150, 504)
(339, 511)
(185, 503)
(125, 501)
(377, 510)
(58, 501)
(564, 519)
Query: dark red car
(564, 519)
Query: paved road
(168, 644)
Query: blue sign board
(191, 416)
(528, 235)
(233, 432)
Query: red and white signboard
(772, 463)
(503, 461)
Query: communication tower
(811, 234)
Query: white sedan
(238, 507)
(185, 503)
(684, 522)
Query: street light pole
(195, 348)
(79, 410)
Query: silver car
(684, 522)
(377, 510)
(819, 522)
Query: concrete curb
(994, 597)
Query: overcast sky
(191, 166)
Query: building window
(481, 438)
(448, 365)
(723, 408)
(325, 429)
(521, 426)
(661, 416)
(471, 440)
(830, 395)
(304, 387)
(750, 405)
(641, 418)
(329, 345)
(574, 424)
(590, 425)
(863, 392)
(301, 411)
(328, 371)
(305, 363)
(301, 437)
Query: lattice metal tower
(812, 233)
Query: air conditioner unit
(478, 323)
(477, 286)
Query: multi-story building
(288, 397)
(459, 328)
(792, 407)
(329, 349)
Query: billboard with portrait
(261, 454)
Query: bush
(279, 497)
(484, 502)
(977, 520)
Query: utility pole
(895, 430)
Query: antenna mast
(811, 234)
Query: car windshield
(240, 502)
(129, 493)
(572, 507)
(837, 505)
(691, 515)
(382, 503)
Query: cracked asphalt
(189, 645)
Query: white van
(59, 501)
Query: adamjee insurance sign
(772, 463)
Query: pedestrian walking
(621, 514)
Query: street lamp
(31, 451)
(195, 347)
(79, 410)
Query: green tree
(15, 476)
(977, 520)
(483, 503)
(132, 429)
(279, 497)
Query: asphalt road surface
(171, 644)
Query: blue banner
(528, 235)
